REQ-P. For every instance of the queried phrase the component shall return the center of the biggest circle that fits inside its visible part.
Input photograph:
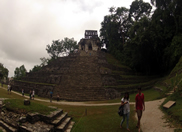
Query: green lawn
(87, 119)
(103, 119)
(18, 105)
(98, 118)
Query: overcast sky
(27, 26)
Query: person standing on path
(22, 92)
(30, 94)
(2, 84)
(139, 106)
(33, 94)
(51, 95)
(126, 112)
(58, 97)
(8, 88)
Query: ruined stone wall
(41, 90)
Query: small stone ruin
(56, 121)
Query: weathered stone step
(7, 127)
(59, 119)
(70, 126)
(129, 82)
(64, 125)
(34, 117)
(36, 127)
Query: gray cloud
(27, 26)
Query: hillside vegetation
(127, 79)
(174, 82)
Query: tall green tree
(55, 49)
(70, 44)
(36, 68)
(3, 72)
(20, 72)
(58, 48)
(114, 29)
(44, 61)
(167, 17)
(139, 9)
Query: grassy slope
(150, 94)
(174, 113)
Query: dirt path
(152, 118)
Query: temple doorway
(89, 47)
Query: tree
(3, 72)
(20, 72)
(44, 61)
(114, 28)
(55, 49)
(58, 48)
(36, 68)
(149, 43)
(139, 9)
(70, 44)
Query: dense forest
(148, 40)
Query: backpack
(121, 110)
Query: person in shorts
(8, 88)
(139, 106)
(33, 94)
(22, 91)
(30, 94)
(58, 97)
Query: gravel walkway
(152, 119)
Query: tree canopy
(3, 72)
(20, 72)
(58, 48)
(146, 41)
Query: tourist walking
(51, 93)
(126, 110)
(22, 91)
(8, 88)
(139, 106)
(2, 83)
(33, 94)
(30, 94)
(58, 97)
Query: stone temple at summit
(90, 42)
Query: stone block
(169, 104)
(26, 102)
(22, 119)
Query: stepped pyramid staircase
(83, 76)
